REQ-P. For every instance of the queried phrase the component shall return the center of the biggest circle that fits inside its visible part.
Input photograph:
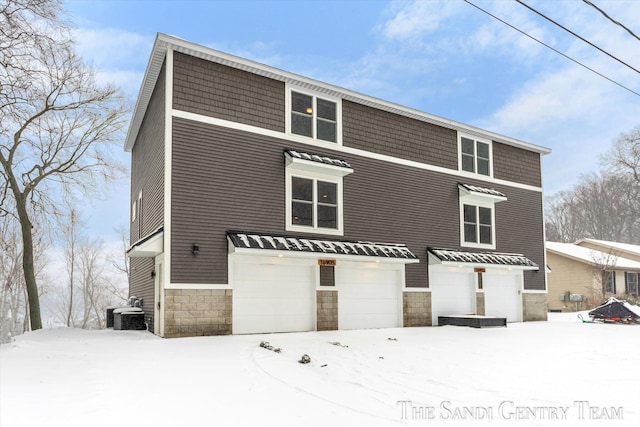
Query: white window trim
(291, 172)
(476, 140)
(315, 95)
(478, 201)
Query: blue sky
(443, 57)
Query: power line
(553, 49)
(576, 35)
(610, 18)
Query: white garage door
(451, 293)
(272, 298)
(501, 297)
(368, 297)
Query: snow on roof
(493, 258)
(317, 158)
(592, 256)
(615, 245)
(482, 190)
(248, 240)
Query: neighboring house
(624, 250)
(265, 201)
(579, 270)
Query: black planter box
(473, 321)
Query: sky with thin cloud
(443, 57)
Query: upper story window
(314, 116)
(314, 193)
(475, 156)
(477, 216)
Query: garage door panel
(501, 296)
(273, 298)
(451, 293)
(368, 298)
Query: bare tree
(57, 124)
(121, 261)
(14, 314)
(561, 218)
(624, 156)
(604, 263)
(601, 206)
(71, 237)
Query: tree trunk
(28, 266)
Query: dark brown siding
(381, 132)
(226, 179)
(147, 174)
(516, 165)
(215, 90)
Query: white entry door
(272, 297)
(368, 296)
(502, 296)
(452, 293)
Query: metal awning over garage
(258, 243)
(454, 257)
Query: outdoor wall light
(195, 249)
(153, 274)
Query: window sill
(311, 230)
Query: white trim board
(319, 145)
(197, 286)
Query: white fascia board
(148, 248)
(199, 51)
(489, 266)
(318, 255)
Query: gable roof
(592, 256)
(165, 42)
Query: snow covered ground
(556, 373)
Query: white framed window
(134, 210)
(314, 115)
(314, 196)
(475, 155)
(610, 282)
(631, 285)
(314, 203)
(478, 226)
(477, 216)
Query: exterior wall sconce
(195, 249)
(153, 274)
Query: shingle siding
(227, 179)
(147, 174)
(381, 132)
(216, 90)
(516, 165)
